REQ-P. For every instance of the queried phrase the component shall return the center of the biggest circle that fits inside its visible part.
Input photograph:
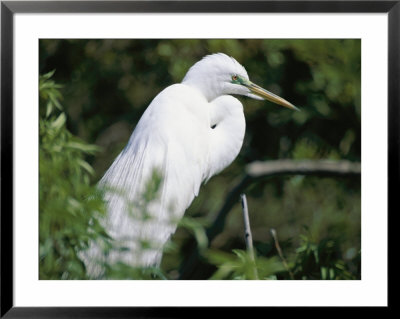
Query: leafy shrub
(324, 260)
(68, 202)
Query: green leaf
(85, 165)
(87, 148)
(49, 108)
(47, 75)
(55, 101)
(59, 122)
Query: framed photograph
(161, 156)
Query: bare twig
(278, 248)
(247, 233)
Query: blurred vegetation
(68, 202)
(107, 85)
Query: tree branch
(304, 167)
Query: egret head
(219, 74)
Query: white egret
(189, 132)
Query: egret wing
(155, 178)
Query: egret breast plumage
(189, 132)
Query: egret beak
(259, 91)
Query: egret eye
(234, 77)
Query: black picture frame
(9, 8)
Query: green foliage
(68, 202)
(107, 86)
(324, 260)
(239, 265)
(313, 260)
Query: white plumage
(189, 132)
